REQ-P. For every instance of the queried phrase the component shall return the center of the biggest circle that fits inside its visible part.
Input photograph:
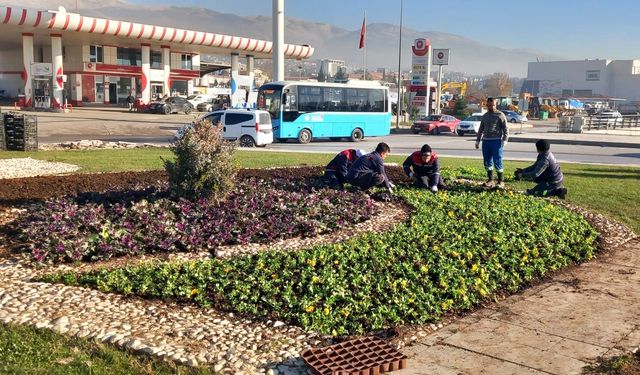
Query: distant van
(249, 128)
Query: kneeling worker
(368, 170)
(425, 167)
(545, 171)
(336, 171)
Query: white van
(249, 128)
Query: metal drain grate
(362, 356)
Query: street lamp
(399, 105)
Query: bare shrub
(204, 165)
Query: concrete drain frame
(361, 356)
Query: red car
(435, 124)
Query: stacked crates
(20, 132)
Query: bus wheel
(356, 135)
(304, 136)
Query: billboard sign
(441, 56)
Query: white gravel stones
(87, 144)
(28, 167)
(185, 334)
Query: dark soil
(19, 190)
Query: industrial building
(585, 79)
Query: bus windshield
(269, 99)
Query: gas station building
(53, 58)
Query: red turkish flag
(362, 32)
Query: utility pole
(278, 40)
(438, 98)
(399, 104)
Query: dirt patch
(622, 365)
(19, 190)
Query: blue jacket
(342, 162)
(545, 169)
(368, 164)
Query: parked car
(249, 128)
(609, 117)
(172, 104)
(470, 125)
(513, 117)
(198, 98)
(214, 104)
(435, 124)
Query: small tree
(499, 85)
(203, 166)
(341, 75)
(460, 108)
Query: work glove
(434, 189)
(503, 143)
(392, 185)
(411, 175)
(518, 174)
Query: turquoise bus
(306, 110)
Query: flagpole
(364, 60)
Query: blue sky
(571, 28)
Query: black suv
(172, 104)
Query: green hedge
(457, 249)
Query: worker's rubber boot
(500, 180)
(489, 178)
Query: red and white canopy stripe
(30, 19)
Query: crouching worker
(368, 170)
(545, 171)
(424, 166)
(336, 171)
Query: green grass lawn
(25, 350)
(613, 191)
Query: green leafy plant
(203, 165)
(458, 249)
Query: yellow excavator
(461, 86)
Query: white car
(609, 118)
(249, 128)
(470, 125)
(198, 98)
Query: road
(453, 145)
(117, 124)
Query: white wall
(571, 74)
(11, 61)
(624, 83)
(73, 58)
(618, 78)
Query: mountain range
(466, 55)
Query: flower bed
(94, 227)
(457, 249)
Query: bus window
(377, 100)
(358, 100)
(309, 99)
(334, 100)
(269, 100)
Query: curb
(577, 142)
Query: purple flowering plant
(144, 220)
